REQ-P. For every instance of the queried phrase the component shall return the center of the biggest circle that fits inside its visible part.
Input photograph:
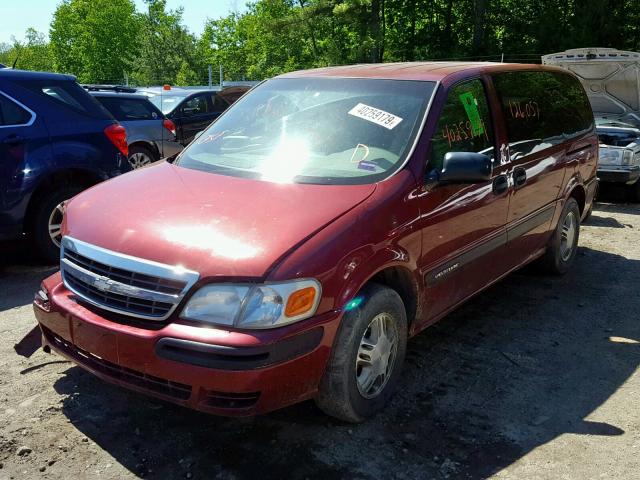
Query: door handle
(519, 177)
(13, 140)
(500, 184)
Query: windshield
(314, 130)
(166, 103)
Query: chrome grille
(121, 283)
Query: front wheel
(367, 357)
(46, 224)
(563, 246)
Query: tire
(634, 192)
(140, 156)
(343, 389)
(563, 246)
(47, 213)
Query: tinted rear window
(541, 109)
(70, 95)
(129, 108)
(11, 113)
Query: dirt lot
(536, 378)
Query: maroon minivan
(290, 251)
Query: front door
(463, 225)
(194, 116)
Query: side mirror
(465, 167)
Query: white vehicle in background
(611, 79)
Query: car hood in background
(214, 224)
(610, 77)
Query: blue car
(55, 141)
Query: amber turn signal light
(300, 302)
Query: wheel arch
(60, 178)
(151, 146)
(399, 276)
(580, 195)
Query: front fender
(349, 252)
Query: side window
(219, 103)
(69, 95)
(464, 124)
(11, 113)
(60, 94)
(541, 109)
(195, 106)
(580, 118)
(129, 109)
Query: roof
(13, 74)
(177, 91)
(433, 71)
(102, 93)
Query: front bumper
(628, 176)
(208, 369)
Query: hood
(214, 224)
(610, 77)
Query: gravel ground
(536, 378)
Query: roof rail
(110, 88)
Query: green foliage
(102, 40)
(94, 39)
(165, 47)
(33, 53)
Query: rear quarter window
(12, 114)
(124, 109)
(541, 109)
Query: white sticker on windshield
(375, 115)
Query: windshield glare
(165, 103)
(318, 130)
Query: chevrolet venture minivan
(291, 249)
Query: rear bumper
(619, 176)
(207, 369)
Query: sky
(18, 15)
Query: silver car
(611, 79)
(150, 135)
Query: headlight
(610, 156)
(254, 306)
(616, 156)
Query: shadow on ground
(20, 274)
(524, 362)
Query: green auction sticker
(470, 106)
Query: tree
(31, 54)
(94, 39)
(165, 46)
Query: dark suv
(191, 109)
(55, 141)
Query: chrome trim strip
(33, 114)
(129, 263)
(107, 285)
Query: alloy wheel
(55, 224)
(376, 355)
(139, 159)
(568, 236)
